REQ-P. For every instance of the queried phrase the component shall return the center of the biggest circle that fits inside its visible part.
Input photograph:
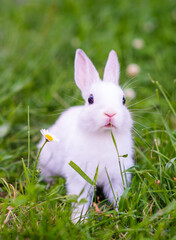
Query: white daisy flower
(48, 136)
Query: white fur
(84, 138)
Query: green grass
(38, 40)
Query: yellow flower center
(48, 137)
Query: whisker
(143, 140)
(139, 116)
(129, 82)
(74, 98)
(142, 125)
(128, 85)
(140, 109)
(141, 100)
(137, 113)
(55, 114)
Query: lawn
(38, 40)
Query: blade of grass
(171, 136)
(164, 94)
(6, 185)
(96, 175)
(25, 171)
(28, 138)
(115, 199)
(145, 158)
(81, 173)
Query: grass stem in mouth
(118, 155)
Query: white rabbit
(85, 135)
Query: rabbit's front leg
(83, 190)
(113, 191)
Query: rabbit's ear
(85, 72)
(112, 68)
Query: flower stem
(36, 162)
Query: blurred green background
(38, 40)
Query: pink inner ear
(112, 68)
(85, 72)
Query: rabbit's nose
(110, 115)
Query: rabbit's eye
(123, 100)
(91, 99)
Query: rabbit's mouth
(109, 125)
